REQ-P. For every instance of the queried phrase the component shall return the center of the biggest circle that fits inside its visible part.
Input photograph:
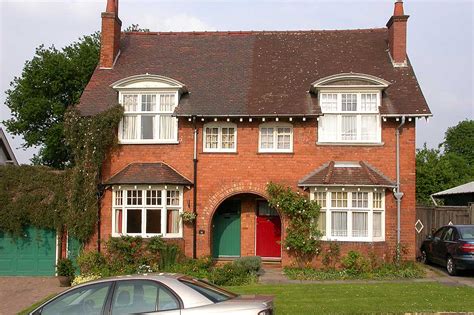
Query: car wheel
(424, 258)
(450, 266)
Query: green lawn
(364, 298)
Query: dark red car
(451, 246)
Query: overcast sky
(440, 38)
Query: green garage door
(31, 255)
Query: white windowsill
(148, 142)
(147, 235)
(352, 239)
(370, 144)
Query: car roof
(162, 276)
(459, 225)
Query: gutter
(195, 161)
(396, 192)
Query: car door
(446, 243)
(85, 300)
(437, 245)
(143, 296)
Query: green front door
(74, 248)
(226, 230)
(34, 254)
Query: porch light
(215, 119)
(241, 119)
(202, 119)
(250, 119)
(304, 118)
(291, 118)
(263, 119)
(276, 119)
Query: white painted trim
(378, 82)
(275, 125)
(172, 83)
(219, 148)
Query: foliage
(155, 244)
(65, 268)
(92, 263)
(302, 234)
(355, 263)
(198, 268)
(188, 217)
(136, 28)
(437, 171)
(459, 140)
(231, 274)
(85, 278)
(90, 139)
(32, 195)
(364, 298)
(252, 264)
(50, 82)
(331, 256)
(169, 256)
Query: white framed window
(148, 117)
(275, 137)
(220, 137)
(350, 117)
(351, 214)
(147, 211)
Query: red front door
(268, 231)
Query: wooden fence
(431, 218)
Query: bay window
(349, 117)
(350, 215)
(148, 117)
(220, 137)
(147, 211)
(275, 137)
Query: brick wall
(221, 175)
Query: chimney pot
(397, 35)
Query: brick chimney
(397, 35)
(110, 36)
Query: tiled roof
(256, 73)
(346, 173)
(148, 173)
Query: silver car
(171, 294)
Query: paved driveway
(18, 293)
(464, 277)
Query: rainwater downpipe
(397, 193)
(195, 161)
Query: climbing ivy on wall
(90, 139)
(302, 234)
(46, 198)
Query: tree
(50, 82)
(136, 28)
(459, 140)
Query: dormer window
(149, 102)
(350, 106)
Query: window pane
(92, 297)
(328, 128)
(172, 220)
(377, 224)
(322, 222)
(339, 199)
(118, 197)
(368, 102)
(130, 103)
(360, 226)
(212, 138)
(168, 127)
(369, 128)
(134, 197)
(328, 102)
(377, 200)
(349, 128)
(360, 200)
(118, 221)
(167, 102)
(129, 127)
(153, 221)
(320, 198)
(339, 224)
(148, 103)
(266, 141)
(134, 220)
(228, 141)
(153, 197)
(349, 102)
(284, 138)
(172, 198)
(147, 127)
(264, 209)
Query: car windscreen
(213, 293)
(467, 232)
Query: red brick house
(212, 117)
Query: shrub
(169, 256)
(231, 275)
(198, 268)
(251, 264)
(355, 263)
(92, 263)
(331, 256)
(85, 278)
(155, 245)
(65, 268)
